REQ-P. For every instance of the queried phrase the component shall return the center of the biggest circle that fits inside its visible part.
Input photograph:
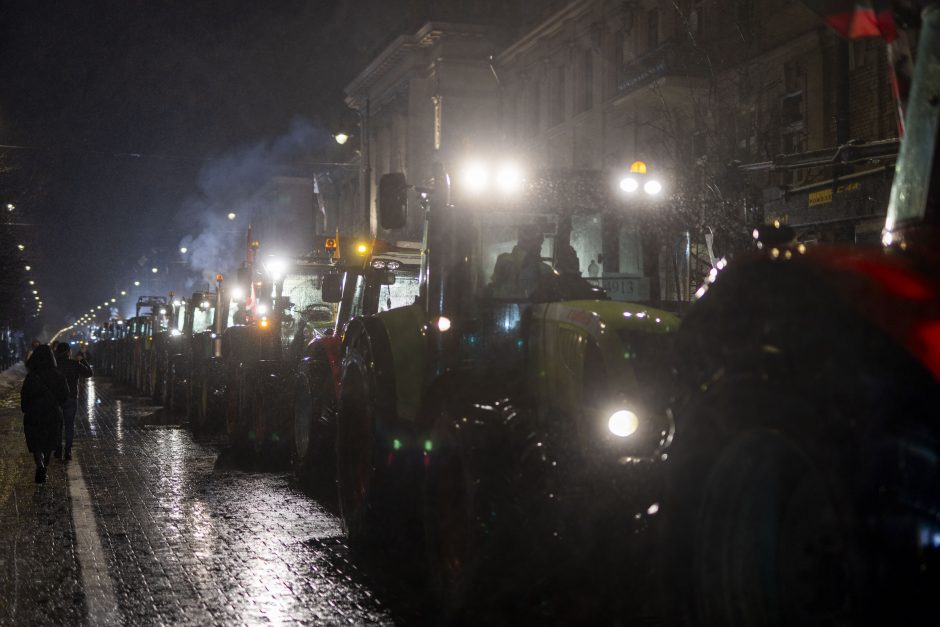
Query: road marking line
(100, 600)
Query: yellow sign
(330, 243)
(638, 167)
(822, 197)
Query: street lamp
(184, 250)
(341, 138)
(21, 246)
(136, 283)
(154, 270)
(11, 206)
(28, 268)
(231, 216)
(123, 293)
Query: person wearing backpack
(45, 390)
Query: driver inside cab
(518, 273)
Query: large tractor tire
(177, 383)
(475, 508)
(273, 426)
(365, 456)
(775, 518)
(314, 412)
(158, 379)
(208, 396)
(240, 401)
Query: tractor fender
(326, 350)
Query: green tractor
(512, 389)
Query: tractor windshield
(203, 316)
(304, 292)
(531, 258)
(384, 290)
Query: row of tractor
(476, 397)
(257, 357)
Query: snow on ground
(11, 380)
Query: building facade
(690, 87)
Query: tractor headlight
(623, 423)
(378, 264)
(176, 332)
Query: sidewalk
(40, 580)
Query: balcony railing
(671, 59)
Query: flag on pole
(857, 18)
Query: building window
(615, 61)
(697, 18)
(699, 146)
(652, 29)
(557, 102)
(586, 93)
(791, 105)
(791, 110)
(535, 106)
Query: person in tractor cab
(566, 258)
(517, 273)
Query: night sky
(187, 85)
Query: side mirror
(332, 288)
(393, 200)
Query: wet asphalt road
(146, 526)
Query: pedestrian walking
(72, 370)
(29, 354)
(44, 393)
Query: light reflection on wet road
(189, 542)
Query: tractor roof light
(629, 184)
(475, 177)
(277, 268)
(362, 248)
(264, 322)
(509, 178)
(652, 187)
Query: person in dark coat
(72, 370)
(44, 392)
